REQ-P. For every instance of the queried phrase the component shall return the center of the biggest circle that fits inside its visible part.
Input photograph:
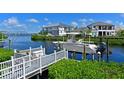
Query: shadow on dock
(43, 76)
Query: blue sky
(32, 22)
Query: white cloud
(46, 19)
(13, 24)
(11, 21)
(75, 24)
(33, 20)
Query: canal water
(24, 42)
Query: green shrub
(71, 69)
(5, 54)
(38, 37)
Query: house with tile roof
(102, 29)
(59, 29)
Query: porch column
(106, 33)
(102, 33)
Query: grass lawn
(71, 69)
(5, 54)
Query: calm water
(24, 42)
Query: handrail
(14, 71)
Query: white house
(57, 29)
(102, 29)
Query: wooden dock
(75, 47)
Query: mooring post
(13, 74)
(84, 53)
(74, 56)
(9, 44)
(107, 50)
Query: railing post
(43, 51)
(41, 48)
(41, 60)
(67, 54)
(15, 51)
(55, 55)
(64, 53)
(24, 68)
(12, 59)
(30, 56)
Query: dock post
(74, 55)
(9, 44)
(84, 52)
(55, 55)
(107, 50)
(13, 75)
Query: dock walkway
(28, 65)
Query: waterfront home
(102, 29)
(59, 29)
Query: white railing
(23, 66)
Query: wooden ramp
(29, 65)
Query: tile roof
(99, 23)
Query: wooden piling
(107, 42)
(84, 53)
